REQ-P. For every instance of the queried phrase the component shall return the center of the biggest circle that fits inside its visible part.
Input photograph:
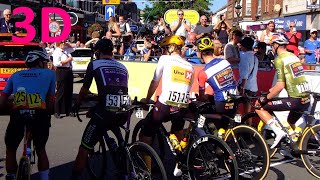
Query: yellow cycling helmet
(205, 44)
(172, 40)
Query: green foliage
(94, 27)
(159, 8)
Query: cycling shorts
(163, 113)
(101, 121)
(296, 106)
(39, 127)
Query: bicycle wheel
(268, 135)
(211, 158)
(97, 160)
(310, 141)
(144, 163)
(251, 152)
(136, 131)
(23, 172)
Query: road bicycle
(248, 146)
(133, 161)
(308, 144)
(204, 157)
(28, 156)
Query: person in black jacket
(7, 25)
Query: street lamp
(238, 8)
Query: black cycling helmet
(36, 55)
(103, 45)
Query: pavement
(64, 140)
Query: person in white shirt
(248, 69)
(124, 26)
(62, 60)
(181, 26)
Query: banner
(299, 20)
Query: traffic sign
(110, 11)
(134, 28)
(191, 15)
(54, 27)
(110, 1)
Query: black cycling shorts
(39, 129)
(296, 106)
(161, 113)
(101, 121)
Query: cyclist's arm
(202, 79)
(86, 83)
(275, 90)
(156, 79)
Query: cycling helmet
(35, 55)
(280, 38)
(103, 45)
(205, 44)
(172, 40)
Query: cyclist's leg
(178, 124)
(160, 113)
(13, 137)
(247, 106)
(40, 133)
(296, 113)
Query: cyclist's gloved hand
(263, 100)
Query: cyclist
(290, 76)
(33, 91)
(177, 77)
(219, 75)
(112, 83)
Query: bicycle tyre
(265, 133)
(304, 142)
(136, 129)
(23, 172)
(222, 151)
(138, 165)
(102, 158)
(260, 144)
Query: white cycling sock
(44, 175)
(273, 124)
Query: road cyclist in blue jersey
(33, 91)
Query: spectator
(94, 38)
(266, 35)
(231, 50)
(124, 26)
(82, 45)
(109, 36)
(128, 49)
(151, 49)
(222, 30)
(62, 61)
(190, 50)
(160, 30)
(181, 26)
(248, 69)
(204, 29)
(294, 38)
(7, 25)
(311, 46)
(264, 59)
(78, 44)
(113, 27)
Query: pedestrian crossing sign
(110, 1)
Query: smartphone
(294, 29)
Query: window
(248, 8)
(266, 5)
(259, 8)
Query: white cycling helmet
(37, 55)
(280, 38)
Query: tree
(160, 7)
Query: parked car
(81, 59)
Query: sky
(217, 4)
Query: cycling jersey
(177, 78)
(219, 75)
(112, 82)
(290, 70)
(31, 88)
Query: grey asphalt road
(64, 140)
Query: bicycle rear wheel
(144, 163)
(211, 158)
(97, 160)
(310, 142)
(23, 172)
(251, 152)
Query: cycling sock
(44, 175)
(273, 124)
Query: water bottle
(260, 126)
(174, 141)
(183, 143)
(221, 133)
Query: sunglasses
(7, 14)
(291, 26)
(180, 14)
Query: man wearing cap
(311, 47)
(248, 69)
(231, 50)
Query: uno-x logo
(188, 75)
(31, 32)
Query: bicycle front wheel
(310, 142)
(144, 163)
(23, 172)
(251, 152)
(97, 160)
(211, 158)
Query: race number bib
(21, 98)
(117, 100)
(34, 100)
(178, 97)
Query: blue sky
(217, 4)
